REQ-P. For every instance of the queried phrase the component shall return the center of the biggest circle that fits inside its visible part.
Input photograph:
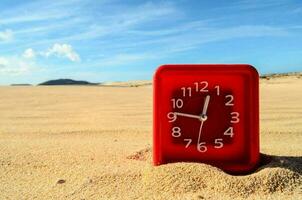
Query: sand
(94, 142)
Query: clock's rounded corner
(160, 70)
(253, 70)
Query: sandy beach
(94, 142)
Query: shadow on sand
(293, 163)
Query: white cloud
(6, 35)
(18, 65)
(63, 50)
(29, 53)
(15, 66)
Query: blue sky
(111, 40)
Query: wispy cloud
(191, 41)
(121, 59)
(181, 39)
(256, 4)
(36, 11)
(6, 35)
(124, 19)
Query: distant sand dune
(128, 83)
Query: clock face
(207, 113)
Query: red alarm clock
(207, 113)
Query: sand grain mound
(177, 179)
(142, 155)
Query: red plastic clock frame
(239, 156)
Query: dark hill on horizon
(21, 84)
(66, 82)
